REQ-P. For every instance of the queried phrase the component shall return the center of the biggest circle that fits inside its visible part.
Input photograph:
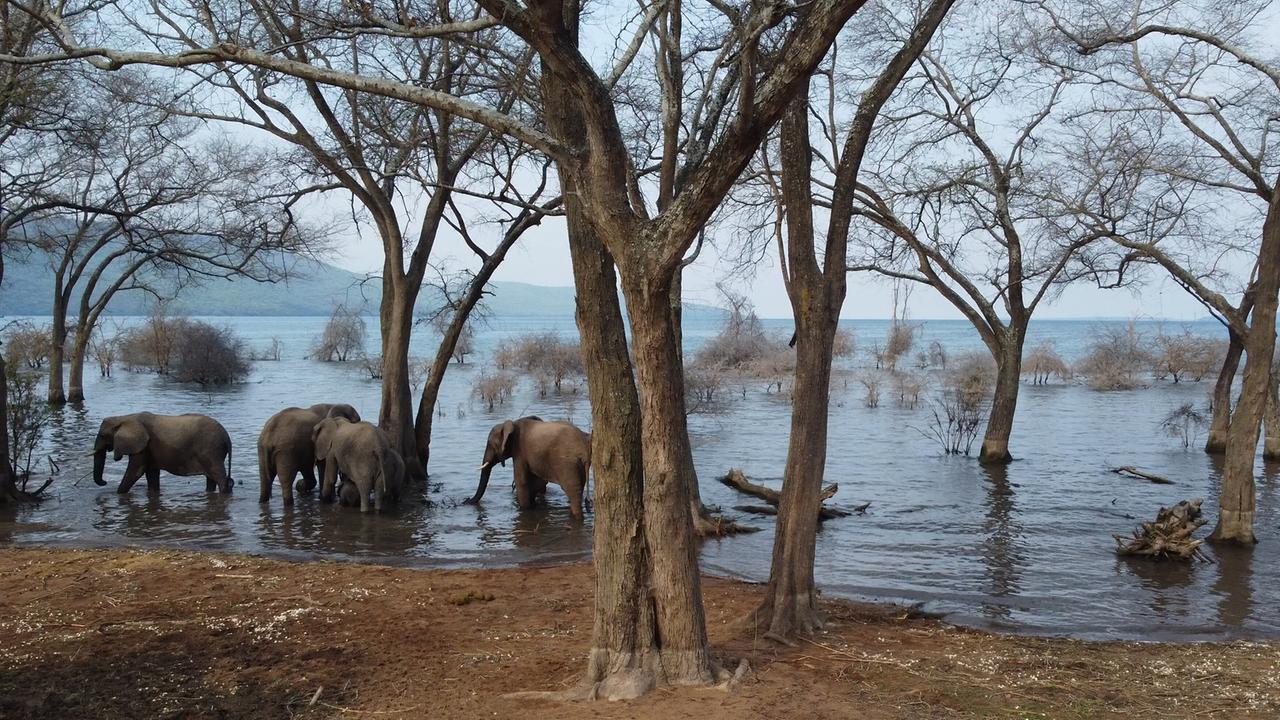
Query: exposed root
(1169, 537)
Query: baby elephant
(361, 453)
(177, 444)
(285, 448)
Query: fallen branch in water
(1169, 537)
(737, 480)
(1157, 479)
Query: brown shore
(120, 634)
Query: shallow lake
(1026, 548)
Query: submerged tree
(964, 197)
(1191, 93)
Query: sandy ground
(116, 634)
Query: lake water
(1026, 548)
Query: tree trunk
(995, 442)
(1237, 505)
(625, 659)
(676, 585)
(1271, 440)
(790, 605)
(75, 379)
(8, 478)
(703, 525)
(58, 334)
(395, 416)
(1216, 443)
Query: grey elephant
(183, 445)
(285, 448)
(363, 456)
(543, 452)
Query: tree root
(1169, 537)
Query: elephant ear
(322, 437)
(131, 438)
(505, 437)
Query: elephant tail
(230, 482)
(266, 461)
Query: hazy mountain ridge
(312, 289)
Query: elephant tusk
(484, 466)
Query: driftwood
(1169, 537)
(1135, 472)
(737, 480)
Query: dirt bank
(113, 634)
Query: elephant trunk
(99, 464)
(484, 483)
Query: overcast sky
(542, 258)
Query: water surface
(1025, 548)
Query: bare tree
(815, 278)
(1192, 92)
(964, 198)
(140, 204)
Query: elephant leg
(330, 479)
(285, 471)
(215, 478)
(266, 477)
(131, 473)
(153, 480)
(365, 486)
(524, 489)
(574, 490)
(308, 483)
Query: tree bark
(649, 627)
(1004, 403)
(8, 478)
(790, 606)
(1237, 505)
(395, 415)
(58, 337)
(75, 377)
(1271, 440)
(676, 584)
(1216, 443)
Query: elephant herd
(354, 460)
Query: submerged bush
(1186, 354)
(209, 355)
(1116, 359)
(27, 345)
(494, 389)
(1043, 362)
(150, 347)
(343, 336)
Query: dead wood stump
(1169, 537)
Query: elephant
(285, 448)
(363, 455)
(184, 445)
(543, 451)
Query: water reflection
(1234, 586)
(1001, 549)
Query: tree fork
(1237, 504)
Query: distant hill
(314, 289)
